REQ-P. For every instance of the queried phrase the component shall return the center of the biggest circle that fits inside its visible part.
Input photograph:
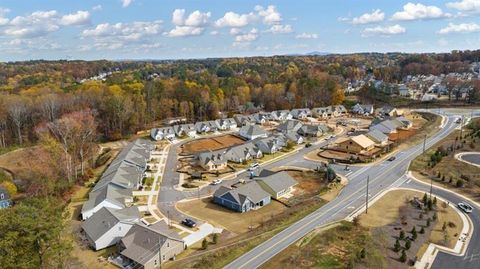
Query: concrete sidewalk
(204, 230)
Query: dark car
(308, 145)
(189, 223)
(391, 159)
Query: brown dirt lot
(235, 222)
(309, 182)
(213, 143)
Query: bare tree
(18, 111)
(50, 106)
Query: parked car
(253, 166)
(391, 159)
(308, 145)
(216, 181)
(465, 207)
(189, 223)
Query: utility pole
(366, 197)
(431, 187)
(424, 142)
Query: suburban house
(340, 110)
(294, 137)
(212, 160)
(391, 126)
(359, 144)
(321, 112)
(289, 126)
(365, 110)
(243, 120)
(184, 130)
(242, 199)
(281, 115)
(206, 126)
(111, 196)
(4, 198)
(252, 132)
(269, 145)
(386, 111)
(147, 247)
(277, 184)
(242, 153)
(107, 226)
(300, 113)
(162, 133)
(226, 124)
(123, 175)
(378, 137)
(310, 130)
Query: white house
(108, 226)
(162, 133)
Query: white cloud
(181, 31)
(126, 3)
(36, 24)
(133, 31)
(280, 29)
(193, 24)
(235, 31)
(79, 18)
(376, 16)
(306, 36)
(419, 12)
(387, 30)
(460, 28)
(214, 33)
(270, 15)
(97, 8)
(465, 5)
(247, 37)
(232, 19)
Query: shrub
(444, 226)
(403, 257)
(422, 230)
(408, 244)
(428, 222)
(459, 183)
(204, 244)
(401, 236)
(414, 233)
(215, 238)
(435, 216)
(396, 246)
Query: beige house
(356, 144)
(147, 247)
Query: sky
(180, 29)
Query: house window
(156, 262)
(163, 257)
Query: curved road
(382, 176)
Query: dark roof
(250, 190)
(142, 242)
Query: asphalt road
(473, 158)
(382, 176)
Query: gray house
(162, 133)
(289, 126)
(277, 184)
(107, 226)
(378, 137)
(313, 130)
(212, 160)
(147, 247)
(244, 152)
(242, 199)
(206, 127)
(301, 113)
(252, 132)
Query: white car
(217, 181)
(253, 166)
(465, 207)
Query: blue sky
(167, 29)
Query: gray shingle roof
(142, 242)
(278, 181)
(106, 218)
(250, 190)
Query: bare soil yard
(213, 143)
(234, 222)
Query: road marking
(408, 181)
(432, 141)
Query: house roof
(253, 130)
(363, 141)
(250, 190)
(142, 242)
(278, 181)
(110, 192)
(289, 125)
(377, 136)
(106, 218)
(217, 157)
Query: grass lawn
(449, 216)
(235, 222)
